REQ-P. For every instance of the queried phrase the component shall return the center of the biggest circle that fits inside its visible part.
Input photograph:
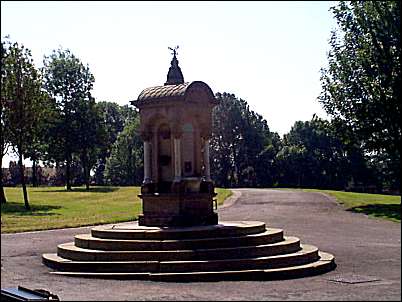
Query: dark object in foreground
(25, 294)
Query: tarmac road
(367, 252)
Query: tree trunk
(2, 195)
(24, 188)
(86, 168)
(34, 178)
(86, 178)
(68, 174)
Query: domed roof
(175, 89)
(158, 92)
(177, 92)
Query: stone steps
(134, 231)
(265, 237)
(324, 264)
(75, 252)
(305, 255)
(229, 250)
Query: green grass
(54, 207)
(222, 195)
(374, 205)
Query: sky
(268, 53)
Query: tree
(125, 164)
(89, 136)
(4, 129)
(113, 120)
(25, 101)
(314, 155)
(69, 84)
(361, 85)
(241, 144)
(36, 150)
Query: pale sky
(267, 53)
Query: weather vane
(174, 53)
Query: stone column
(177, 159)
(207, 170)
(147, 161)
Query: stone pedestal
(188, 202)
(176, 209)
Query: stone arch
(164, 154)
(188, 149)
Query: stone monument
(175, 125)
(178, 235)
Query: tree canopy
(124, 166)
(361, 85)
(69, 84)
(23, 102)
(50, 115)
(242, 146)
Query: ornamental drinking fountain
(178, 236)
(175, 124)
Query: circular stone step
(89, 242)
(325, 263)
(305, 255)
(132, 230)
(72, 252)
(237, 250)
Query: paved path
(365, 249)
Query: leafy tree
(89, 136)
(69, 84)
(125, 164)
(4, 130)
(36, 150)
(313, 155)
(113, 119)
(241, 144)
(266, 165)
(361, 85)
(25, 101)
(292, 162)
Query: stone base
(180, 221)
(172, 209)
(230, 250)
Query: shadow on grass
(91, 190)
(18, 209)
(392, 211)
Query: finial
(175, 76)
(174, 53)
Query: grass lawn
(54, 207)
(222, 195)
(374, 205)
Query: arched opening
(188, 150)
(165, 174)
